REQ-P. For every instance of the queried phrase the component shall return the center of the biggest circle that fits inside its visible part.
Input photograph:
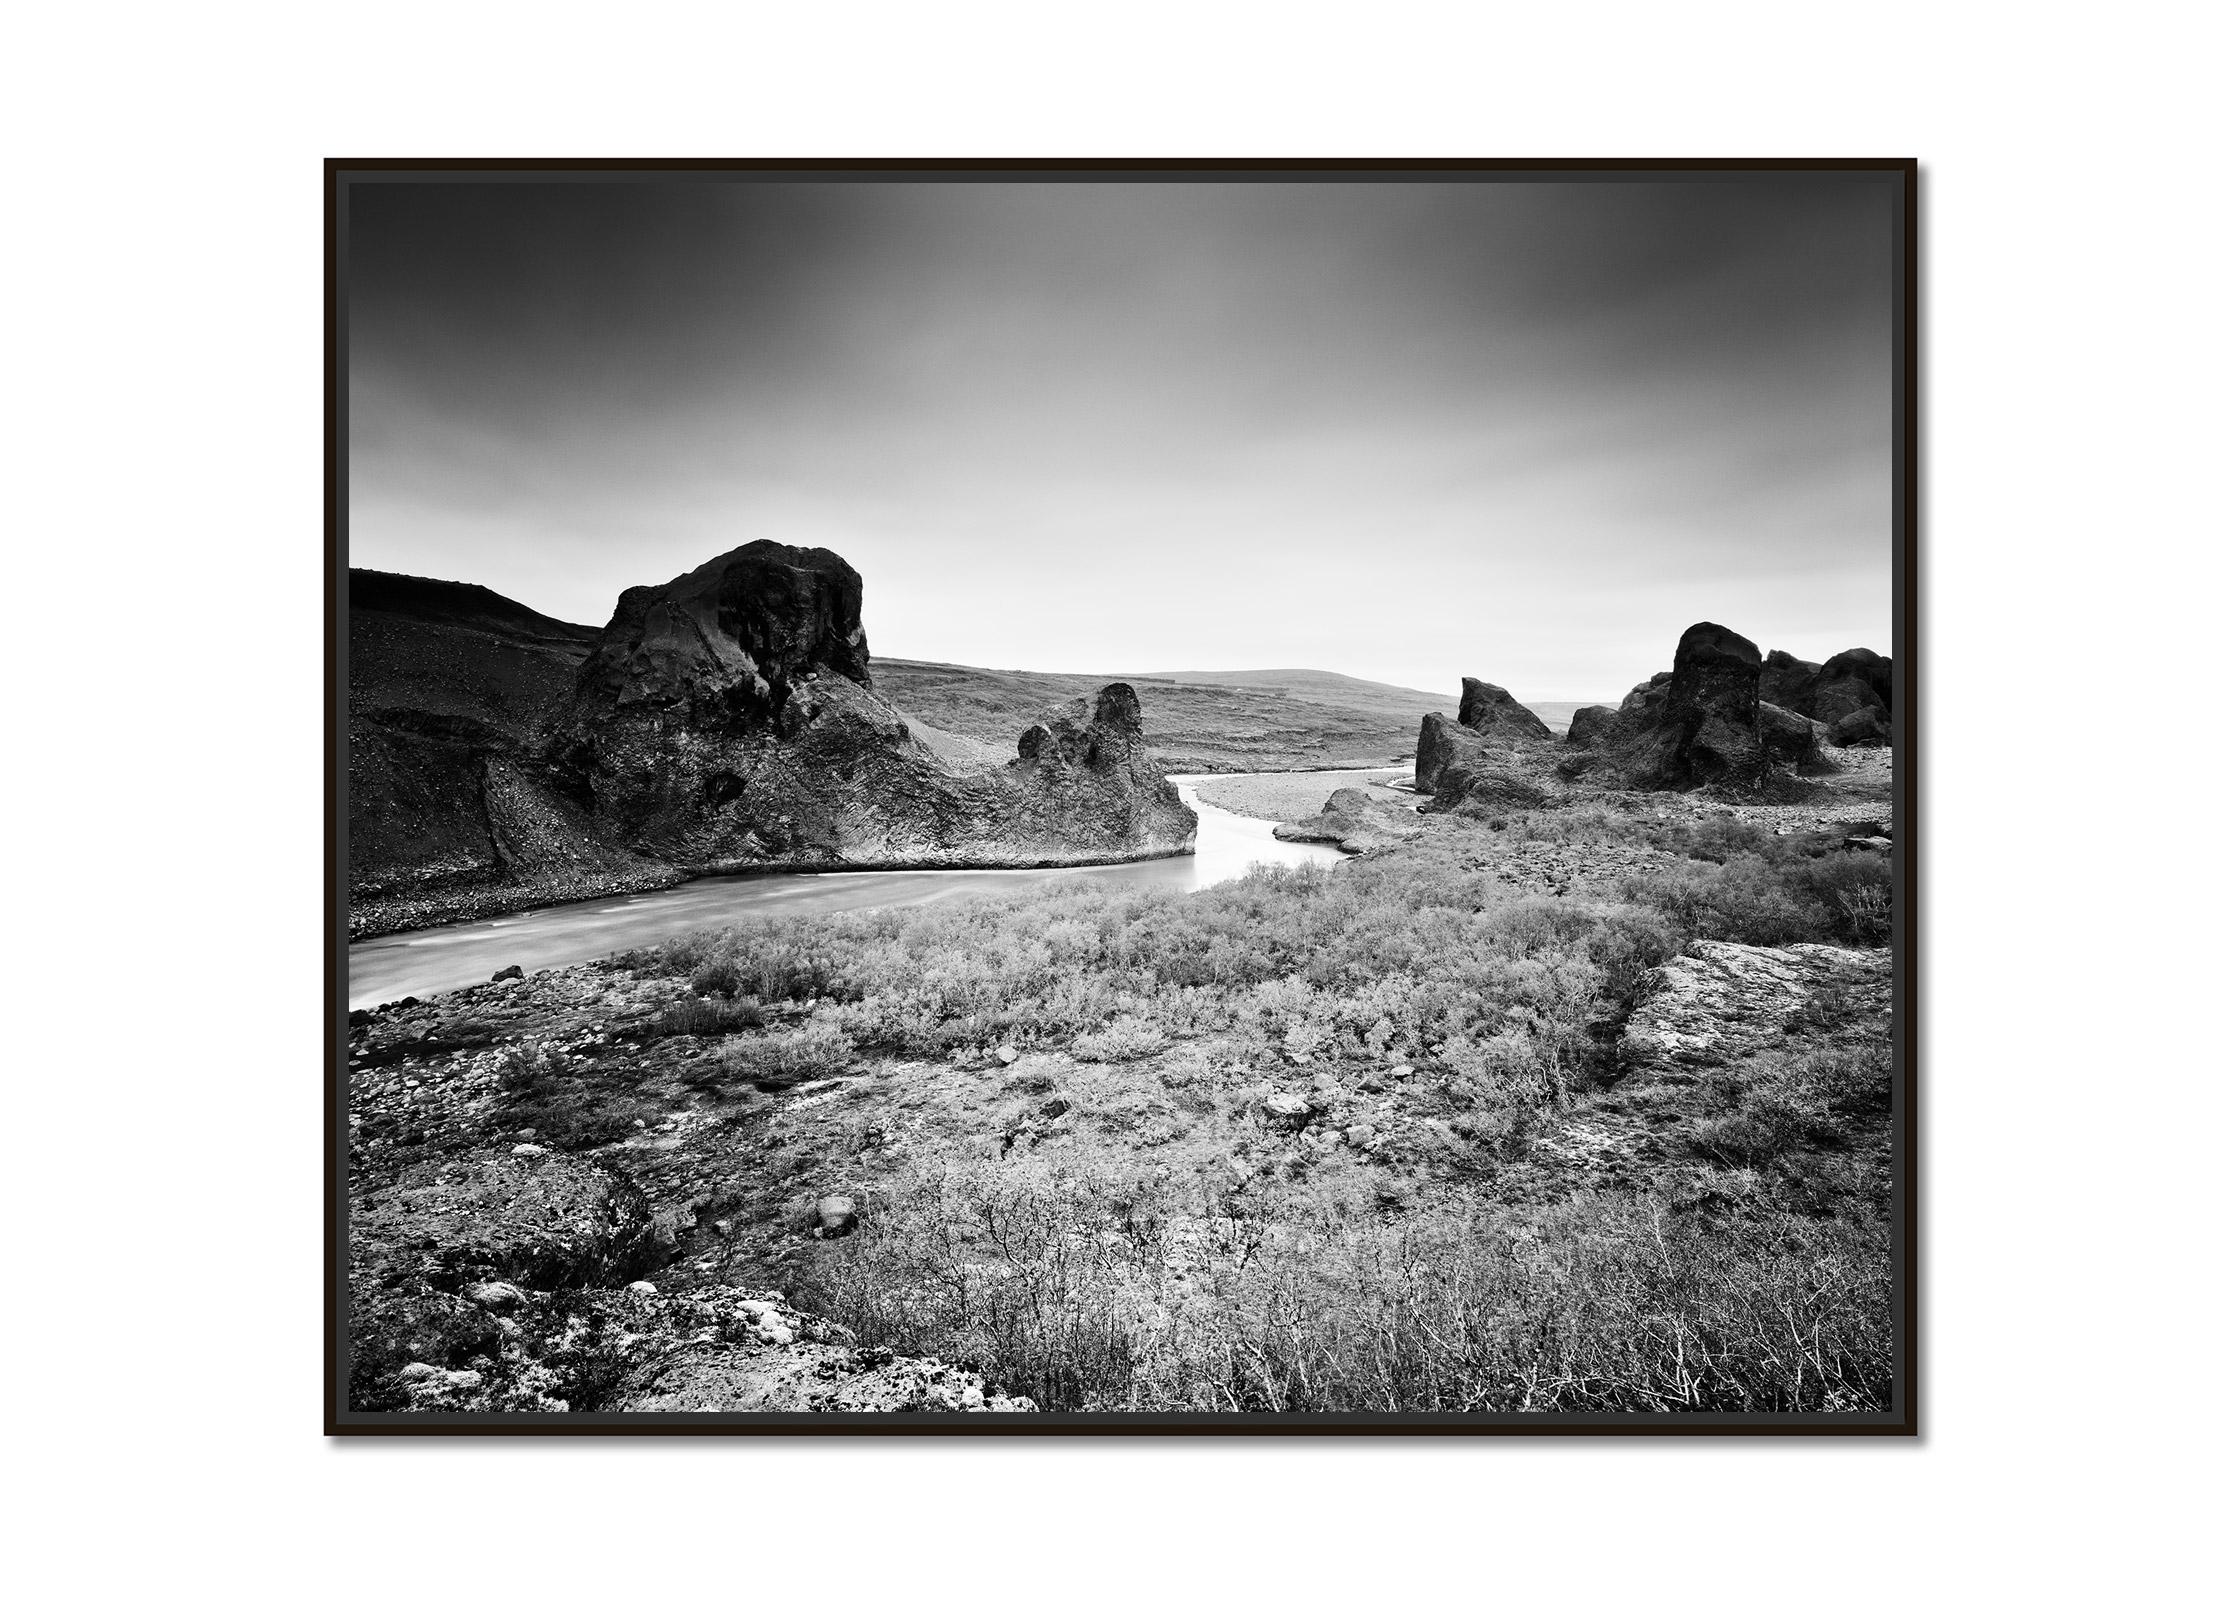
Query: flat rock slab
(1719, 1002)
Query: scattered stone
(531, 1150)
(1287, 1110)
(836, 1215)
(505, 974)
(496, 1296)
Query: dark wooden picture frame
(1903, 1419)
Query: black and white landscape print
(1105, 795)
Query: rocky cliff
(728, 720)
(723, 721)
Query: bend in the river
(430, 960)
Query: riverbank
(453, 955)
(424, 913)
(1288, 796)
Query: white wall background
(163, 494)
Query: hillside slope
(1281, 720)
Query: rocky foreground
(588, 1189)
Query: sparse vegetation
(1357, 1139)
(1090, 1288)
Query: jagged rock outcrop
(1851, 693)
(1443, 744)
(1794, 741)
(728, 720)
(501, 759)
(1786, 682)
(1491, 721)
(1707, 728)
(1704, 723)
(1492, 711)
(1354, 820)
(1638, 712)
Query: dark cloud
(1523, 430)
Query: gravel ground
(1288, 796)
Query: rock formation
(1786, 682)
(727, 720)
(1491, 720)
(1354, 820)
(1443, 744)
(1794, 740)
(1707, 729)
(1491, 710)
(1712, 720)
(1590, 725)
(1851, 693)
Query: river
(451, 957)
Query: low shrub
(1092, 1292)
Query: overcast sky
(1524, 431)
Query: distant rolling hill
(1279, 720)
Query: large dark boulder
(1869, 725)
(1856, 680)
(1491, 719)
(1591, 725)
(1786, 682)
(1444, 743)
(1708, 728)
(1639, 711)
(1490, 710)
(1796, 742)
(728, 720)
(733, 639)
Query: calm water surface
(451, 957)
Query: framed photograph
(1173, 797)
